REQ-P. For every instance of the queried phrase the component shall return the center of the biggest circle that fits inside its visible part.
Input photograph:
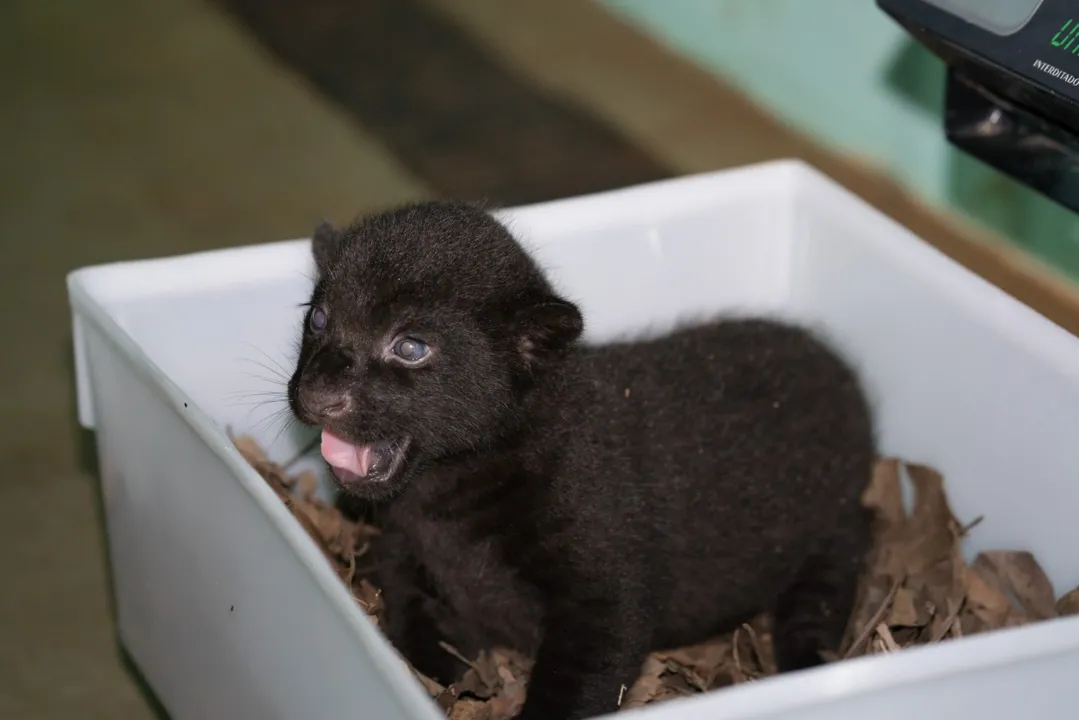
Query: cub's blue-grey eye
(410, 350)
(318, 319)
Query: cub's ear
(546, 329)
(325, 242)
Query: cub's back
(719, 430)
(680, 389)
(728, 453)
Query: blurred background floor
(128, 129)
(135, 129)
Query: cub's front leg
(592, 648)
(407, 597)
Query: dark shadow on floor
(451, 112)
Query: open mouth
(360, 464)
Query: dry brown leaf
(921, 546)
(737, 669)
(472, 684)
(884, 496)
(513, 671)
(694, 680)
(1022, 577)
(931, 536)
(250, 449)
(865, 629)
(674, 685)
(887, 641)
(445, 699)
(511, 660)
(917, 590)
(985, 600)
(510, 700)
(307, 484)
(487, 669)
(746, 652)
(947, 621)
(874, 596)
(368, 597)
(1068, 603)
(759, 635)
(698, 657)
(923, 607)
(648, 685)
(903, 612)
(700, 663)
(469, 709)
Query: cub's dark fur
(585, 505)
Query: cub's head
(426, 328)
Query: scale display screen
(999, 16)
(1012, 85)
(1024, 44)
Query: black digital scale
(1012, 92)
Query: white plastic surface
(231, 611)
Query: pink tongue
(345, 456)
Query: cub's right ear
(325, 242)
(546, 328)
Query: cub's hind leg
(811, 615)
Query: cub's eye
(410, 350)
(317, 320)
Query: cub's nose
(325, 405)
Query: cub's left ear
(547, 328)
(325, 242)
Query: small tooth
(365, 461)
(381, 460)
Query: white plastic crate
(231, 611)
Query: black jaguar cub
(582, 504)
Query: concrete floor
(128, 129)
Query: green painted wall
(844, 72)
